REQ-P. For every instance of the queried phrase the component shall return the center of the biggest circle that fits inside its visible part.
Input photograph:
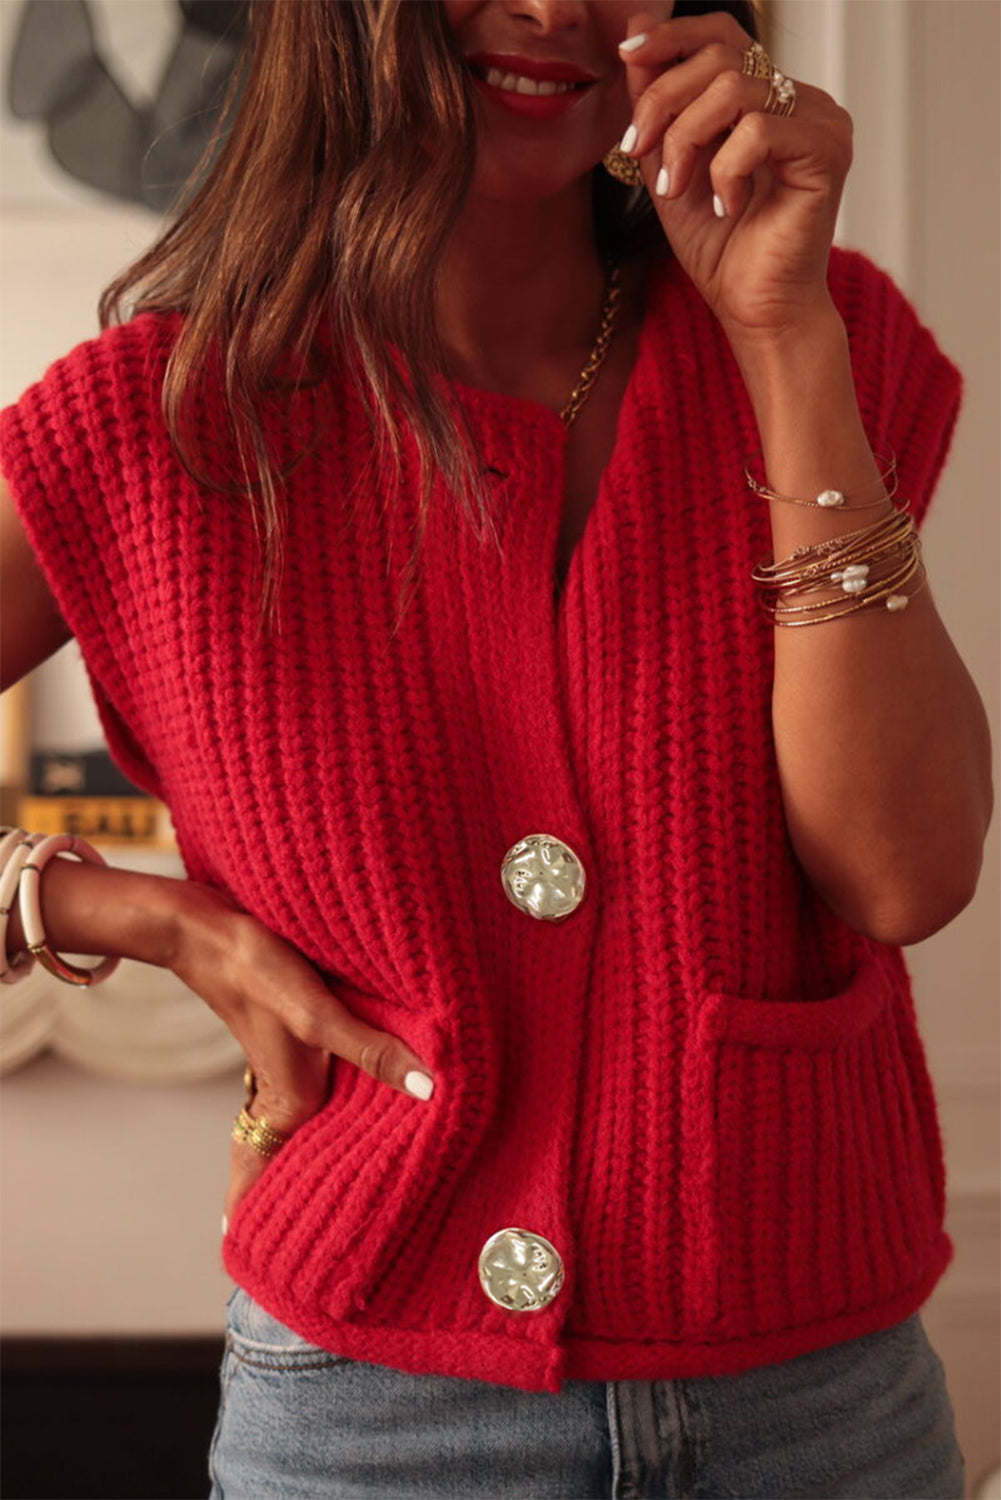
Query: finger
(292, 1085)
(672, 91)
(379, 1053)
(669, 42)
(285, 985)
(246, 1162)
(817, 131)
(759, 140)
(642, 64)
(718, 109)
(292, 1080)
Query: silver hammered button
(520, 1270)
(543, 877)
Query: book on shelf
(85, 793)
(138, 820)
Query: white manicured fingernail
(419, 1084)
(225, 1224)
(718, 208)
(632, 44)
(630, 138)
(663, 183)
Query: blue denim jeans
(870, 1416)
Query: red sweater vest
(703, 1088)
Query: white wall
(920, 80)
(112, 1191)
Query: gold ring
(253, 1130)
(781, 95)
(757, 63)
(256, 1132)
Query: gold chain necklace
(609, 312)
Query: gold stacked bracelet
(869, 565)
(891, 542)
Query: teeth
(515, 84)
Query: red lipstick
(531, 67)
(534, 106)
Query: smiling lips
(518, 83)
(538, 98)
(529, 67)
(536, 106)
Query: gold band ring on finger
(257, 1133)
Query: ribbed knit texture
(703, 1087)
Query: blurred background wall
(919, 78)
(113, 1190)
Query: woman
(627, 1179)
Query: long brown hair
(332, 181)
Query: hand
(289, 1024)
(763, 267)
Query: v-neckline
(501, 405)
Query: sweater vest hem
(530, 1365)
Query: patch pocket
(259, 1339)
(812, 1187)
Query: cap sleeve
(909, 391)
(71, 454)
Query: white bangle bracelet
(31, 910)
(15, 846)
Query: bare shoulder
(31, 627)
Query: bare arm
(31, 627)
(881, 737)
(288, 1022)
(99, 909)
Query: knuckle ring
(781, 99)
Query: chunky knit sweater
(703, 1088)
